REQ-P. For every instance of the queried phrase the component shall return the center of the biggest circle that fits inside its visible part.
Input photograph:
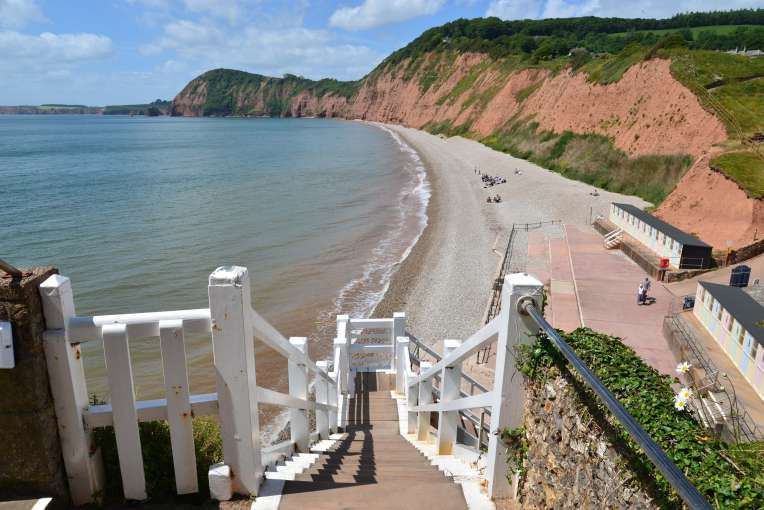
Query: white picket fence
(232, 324)
(360, 345)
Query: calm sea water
(138, 212)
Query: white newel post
(322, 397)
(402, 349)
(233, 349)
(412, 396)
(425, 397)
(398, 329)
(70, 397)
(342, 369)
(299, 427)
(509, 387)
(343, 335)
(450, 382)
(332, 401)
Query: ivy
(728, 475)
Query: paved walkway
(597, 288)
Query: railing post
(450, 383)
(299, 428)
(322, 397)
(343, 335)
(342, 368)
(332, 401)
(70, 397)
(233, 349)
(412, 398)
(398, 329)
(402, 360)
(509, 387)
(425, 397)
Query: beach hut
(734, 317)
(682, 250)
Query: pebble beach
(444, 284)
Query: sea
(139, 211)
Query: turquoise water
(138, 212)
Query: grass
(718, 29)
(737, 101)
(611, 68)
(744, 167)
(592, 159)
(157, 457)
(522, 95)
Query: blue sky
(130, 51)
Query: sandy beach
(444, 284)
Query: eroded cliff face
(646, 112)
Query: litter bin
(740, 276)
(664, 263)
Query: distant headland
(153, 109)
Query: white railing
(505, 399)
(232, 325)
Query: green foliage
(517, 448)
(225, 88)
(744, 167)
(548, 38)
(729, 476)
(523, 94)
(592, 159)
(157, 459)
(158, 107)
(610, 69)
(730, 86)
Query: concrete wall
(731, 337)
(30, 455)
(571, 461)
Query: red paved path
(587, 281)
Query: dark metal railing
(686, 490)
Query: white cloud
(270, 51)
(514, 9)
(48, 48)
(227, 9)
(522, 9)
(374, 13)
(17, 13)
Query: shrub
(729, 476)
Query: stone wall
(574, 459)
(30, 455)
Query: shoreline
(444, 284)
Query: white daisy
(683, 367)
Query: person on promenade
(640, 294)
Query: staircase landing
(372, 466)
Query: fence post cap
(451, 344)
(402, 339)
(343, 317)
(298, 341)
(228, 275)
(399, 315)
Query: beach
(444, 284)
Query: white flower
(680, 403)
(683, 367)
(685, 393)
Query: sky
(99, 52)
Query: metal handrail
(686, 490)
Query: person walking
(645, 288)
(640, 294)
